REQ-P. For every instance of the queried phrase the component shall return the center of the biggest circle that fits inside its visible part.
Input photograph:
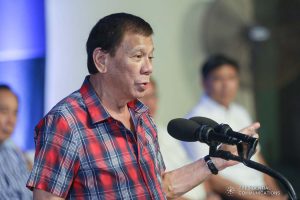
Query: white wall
(178, 54)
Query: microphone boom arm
(257, 166)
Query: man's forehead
(137, 41)
(4, 93)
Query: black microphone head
(204, 121)
(183, 129)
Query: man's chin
(140, 94)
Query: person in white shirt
(220, 78)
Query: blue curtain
(22, 62)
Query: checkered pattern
(83, 153)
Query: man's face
(222, 84)
(150, 99)
(8, 114)
(130, 68)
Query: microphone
(246, 145)
(225, 129)
(191, 131)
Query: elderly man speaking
(100, 142)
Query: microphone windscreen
(205, 121)
(183, 129)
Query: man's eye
(3, 110)
(139, 56)
(151, 57)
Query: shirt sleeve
(56, 159)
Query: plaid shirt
(84, 153)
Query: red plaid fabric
(83, 153)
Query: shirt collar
(205, 99)
(95, 108)
(137, 106)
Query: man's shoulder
(64, 110)
(67, 104)
(198, 110)
(239, 108)
(12, 151)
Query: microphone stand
(213, 152)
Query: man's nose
(147, 67)
(11, 119)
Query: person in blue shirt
(13, 166)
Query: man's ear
(99, 57)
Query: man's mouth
(143, 85)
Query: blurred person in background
(220, 80)
(13, 165)
(173, 154)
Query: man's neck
(114, 105)
(109, 100)
(226, 106)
